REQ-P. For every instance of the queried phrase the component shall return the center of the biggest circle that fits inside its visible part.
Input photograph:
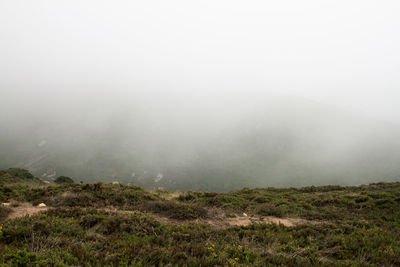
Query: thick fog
(214, 95)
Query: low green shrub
(4, 212)
(63, 180)
(175, 210)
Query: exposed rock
(159, 177)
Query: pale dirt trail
(24, 209)
(220, 222)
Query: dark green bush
(64, 180)
(24, 258)
(21, 173)
(4, 211)
(16, 175)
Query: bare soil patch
(220, 221)
(24, 209)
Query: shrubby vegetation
(349, 226)
(63, 180)
(4, 212)
(15, 175)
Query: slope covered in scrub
(115, 224)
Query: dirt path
(24, 209)
(220, 221)
(246, 220)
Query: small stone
(41, 205)
(245, 214)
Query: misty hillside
(200, 142)
(199, 133)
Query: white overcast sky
(343, 53)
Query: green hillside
(16, 175)
(119, 225)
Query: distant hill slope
(16, 175)
(197, 144)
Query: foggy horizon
(201, 96)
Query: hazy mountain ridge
(252, 141)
